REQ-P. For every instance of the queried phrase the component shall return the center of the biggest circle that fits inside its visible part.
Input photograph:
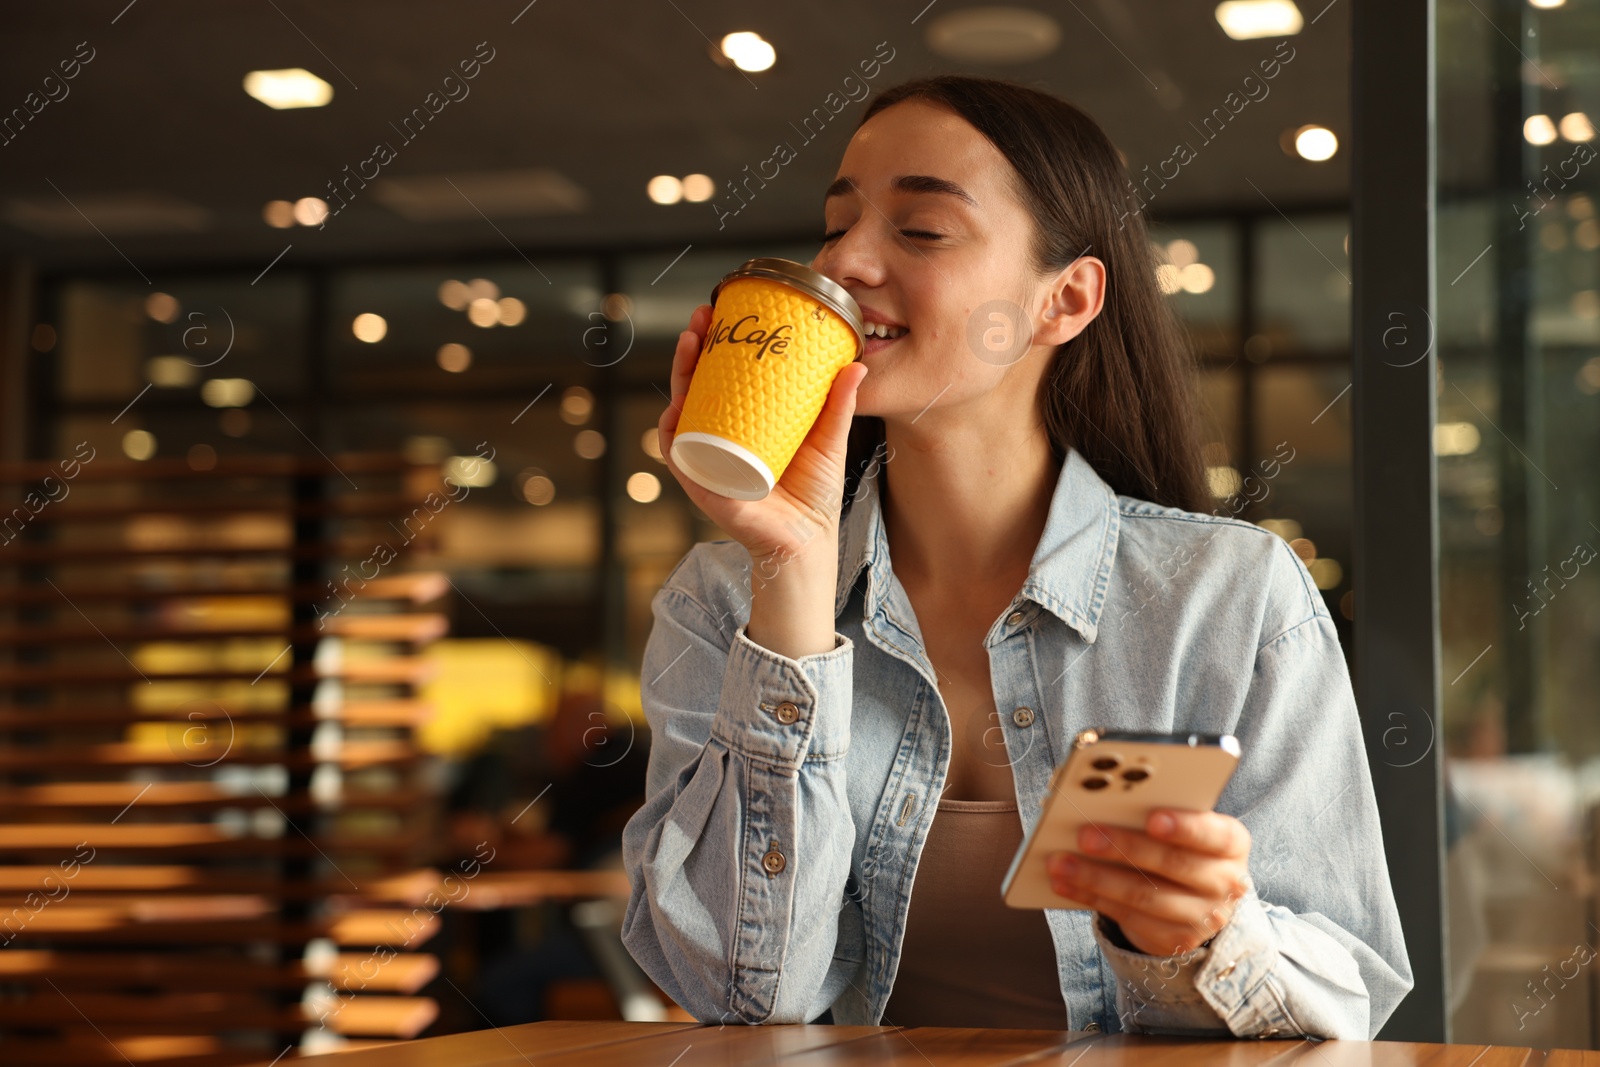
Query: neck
(969, 500)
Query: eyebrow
(907, 183)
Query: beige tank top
(967, 959)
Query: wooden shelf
(396, 713)
(418, 587)
(181, 938)
(413, 628)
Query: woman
(847, 752)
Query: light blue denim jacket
(787, 800)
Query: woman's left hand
(1170, 887)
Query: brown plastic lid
(811, 282)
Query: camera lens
(1104, 763)
(1096, 782)
(1135, 774)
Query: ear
(1072, 298)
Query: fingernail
(1162, 824)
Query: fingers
(684, 359)
(1210, 876)
(831, 432)
(1158, 916)
(687, 353)
(1204, 831)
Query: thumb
(832, 429)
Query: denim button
(1022, 716)
(774, 862)
(1014, 619)
(1091, 1028)
(787, 712)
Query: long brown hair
(1122, 392)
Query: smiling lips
(882, 334)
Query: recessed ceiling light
(279, 214)
(994, 35)
(369, 327)
(749, 51)
(282, 89)
(227, 392)
(1538, 129)
(1547, 3)
(454, 358)
(1575, 126)
(310, 210)
(664, 189)
(1315, 143)
(698, 188)
(1245, 20)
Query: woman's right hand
(806, 501)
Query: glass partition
(1517, 434)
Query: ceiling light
(650, 442)
(453, 294)
(1196, 278)
(293, 87)
(994, 35)
(1538, 129)
(482, 289)
(139, 444)
(1245, 20)
(590, 444)
(1315, 143)
(1575, 126)
(310, 210)
(749, 51)
(537, 488)
(1456, 439)
(499, 194)
(454, 358)
(162, 307)
(1547, 3)
(279, 214)
(512, 311)
(1181, 253)
(1167, 278)
(483, 312)
(475, 472)
(576, 405)
(664, 189)
(170, 372)
(369, 327)
(644, 486)
(228, 392)
(698, 188)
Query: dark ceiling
(602, 95)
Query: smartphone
(1116, 778)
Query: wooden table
(562, 1044)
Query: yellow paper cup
(779, 333)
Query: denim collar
(1071, 567)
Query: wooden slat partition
(209, 828)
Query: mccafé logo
(748, 331)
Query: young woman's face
(925, 229)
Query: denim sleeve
(1315, 949)
(737, 861)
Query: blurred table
(557, 1044)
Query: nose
(854, 260)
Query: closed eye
(921, 235)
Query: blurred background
(334, 341)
